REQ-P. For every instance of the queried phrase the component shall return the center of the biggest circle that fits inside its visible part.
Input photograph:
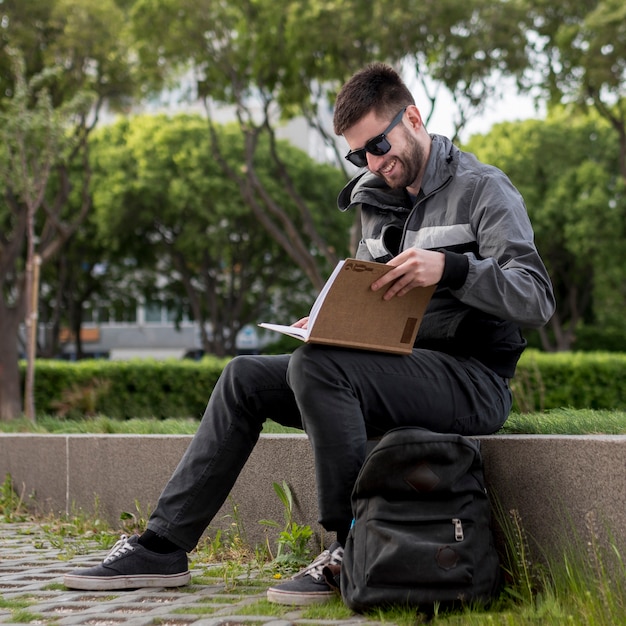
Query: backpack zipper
(458, 529)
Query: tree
(271, 63)
(577, 55)
(73, 50)
(159, 193)
(32, 136)
(566, 169)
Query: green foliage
(564, 421)
(584, 585)
(81, 401)
(144, 388)
(162, 199)
(567, 422)
(566, 169)
(587, 38)
(293, 552)
(595, 380)
(601, 338)
(12, 508)
(59, 61)
(181, 389)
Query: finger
(398, 288)
(388, 278)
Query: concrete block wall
(560, 487)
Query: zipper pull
(458, 529)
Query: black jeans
(341, 398)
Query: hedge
(163, 389)
(579, 380)
(126, 389)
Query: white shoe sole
(108, 583)
(294, 598)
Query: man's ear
(414, 117)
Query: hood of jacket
(368, 188)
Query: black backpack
(421, 534)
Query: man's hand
(412, 268)
(301, 323)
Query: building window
(153, 312)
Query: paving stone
(31, 572)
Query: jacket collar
(367, 188)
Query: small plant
(293, 552)
(132, 523)
(12, 507)
(523, 574)
(227, 555)
(75, 533)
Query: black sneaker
(315, 584)
(130, 566)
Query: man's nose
(374, 161)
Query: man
(438, 216)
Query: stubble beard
(411, 162)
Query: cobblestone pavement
(31, 591)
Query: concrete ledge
(561, 487)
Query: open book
(348, 313)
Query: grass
(105, 425)
(567, 422)
(555, 422)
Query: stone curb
(561, 487)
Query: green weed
(22, 616)
(293, 552)
(12, 508)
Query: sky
(512, 106)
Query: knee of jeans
(304, 362)
(238, 370)
(233, 365)
(295, 365)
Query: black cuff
(455, 270)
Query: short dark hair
(377, 87)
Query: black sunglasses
(377, 146)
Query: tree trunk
(10, 389)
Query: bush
(581, 380)
(126, 389)
(170, 389)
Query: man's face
(402, 165)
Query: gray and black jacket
(494, 280)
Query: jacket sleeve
(506, 277)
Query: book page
(298, 333)
(317, 305)
(303, 333)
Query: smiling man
(438, 217)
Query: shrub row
(126, 389)
(163, 389)
(580, 380)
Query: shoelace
(326, 558)
(119, 549)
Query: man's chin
(393, 183)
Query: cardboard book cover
(348, 313)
